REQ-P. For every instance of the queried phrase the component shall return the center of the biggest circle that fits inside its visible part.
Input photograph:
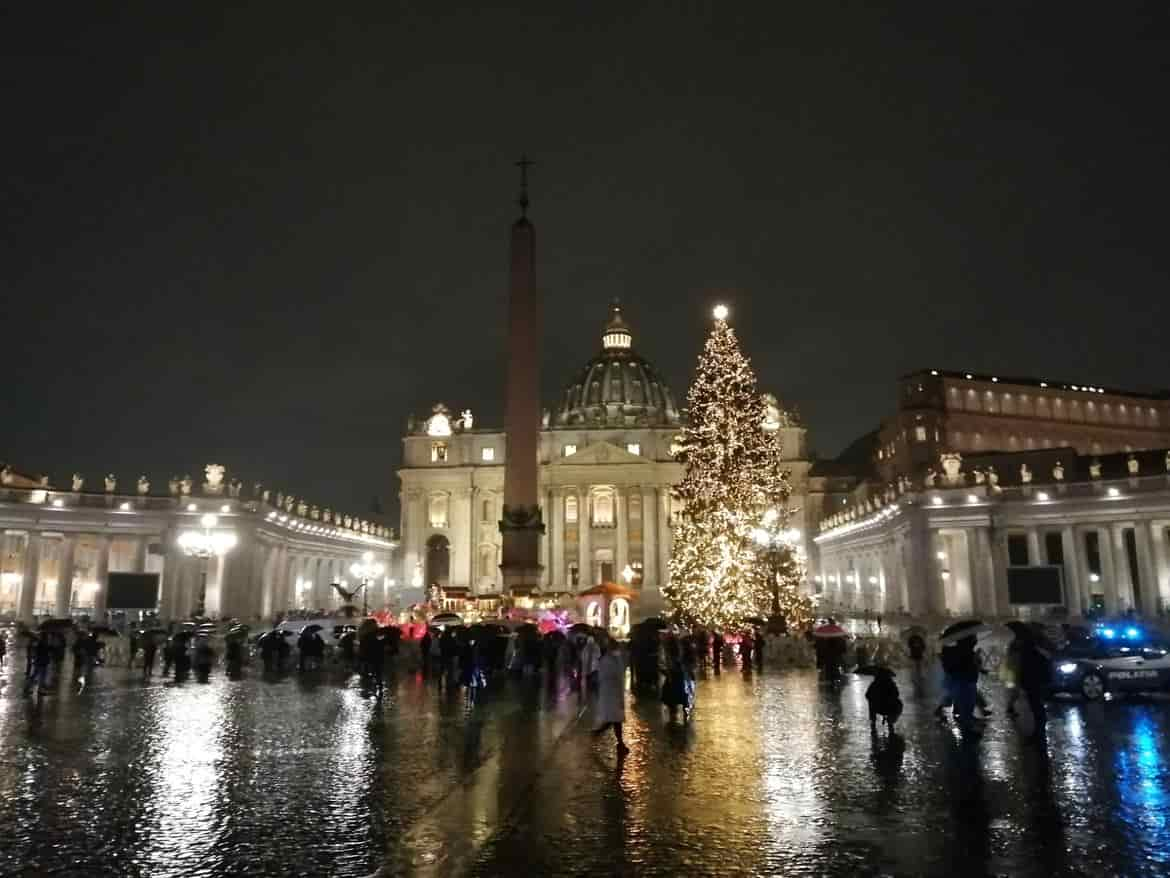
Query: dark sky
(263, 237)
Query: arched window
(570, 509)
(437, 510)
(487, 562)
(603, 513)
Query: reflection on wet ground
(773, 776)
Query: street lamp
(366, 571)
(628, 575)
(777, 544)
(206, 544)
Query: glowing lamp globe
(720, 312)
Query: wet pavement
(774, 776)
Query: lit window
(603, 507)
(634, 448)
(437, 510)
(487, 455)
(569, 450)
(571, 510)
(920, 433)
(438, 452)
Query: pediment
(600, 453)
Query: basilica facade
(606, 469)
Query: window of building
(487, 562)
(569, 450)
(1053, 548)
(488, 510)
(920, 433)
(487, 455)
(571, 510)
(1093, 553)
(437, 510)
(637, 567)
(574, 574)
(635, 503)
(438, 452)
(603, 512)
(633, 448)
(1017, 545)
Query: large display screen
(1035, 585)
(132, 591)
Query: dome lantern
(617, 335)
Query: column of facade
(64, 591)
(141, 547)
(1147, 569)
(1123, 584)
(1072, 571)
(584, 539)
(1035, 554)
(101, 574)
(31, 577)
(545, 540)
(168, 603)
(984, 573)
(558, 578)
(665, 536)
(649, 538)
(1109, 584)
(622, 511)
(1161, 561)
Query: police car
(1113, 658)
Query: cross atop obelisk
(521, 524)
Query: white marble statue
(993, 478)
(185, 485)
(1095, 469)
(980, 477)
(930, 478)
(327, 515)
(173, 485)
(468, 420)
(349, 521)
(1025, 474)
(6, 475)
(280, 499)
(302, 508)
(264, 495)
(1058, 472)
(314, 513)
(235, 488)
(1168, 461)
(214, 481)
(143, 485)
(44, 481)
(952, 465)
(290, 503)
(111, 483)
(1131, 463)
(78, 481)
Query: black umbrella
(56, 624)
(962, 630)
(874, 671)
(104, 629)
(581, 628)
(655, 622)
(311, 629)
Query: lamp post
(777, 543)
(206, 544)
(367, 570)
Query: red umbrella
(830, 630)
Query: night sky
(264, 237)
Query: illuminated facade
(1099, 526)
(58, 546)
(605, 473)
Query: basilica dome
(617, 388)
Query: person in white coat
(611, 693)
(590, 656)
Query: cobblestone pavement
(773, 776)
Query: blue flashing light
(1108, 632)
(1132, 633)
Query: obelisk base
(521, 529)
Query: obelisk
(521, 525)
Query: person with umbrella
(1032, 667)
(149, 650)
(961, 669)
(40, 659)
(610, 710)
(830, 643)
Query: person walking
(3, 648)
(149, 649)
(1035, 680)
(610, 710)
(717, 650)
(41, 657)
(590, 664)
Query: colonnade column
(1072, 571)
(984, 573)
(1035, 555)
(103, 571)
(584, 539)
(1161, 561)
(649, 538)
(622, 509)
(141, 547)
(1147, 570)
(32, 575)
(64, 595)
(1110, 585)
(557, 575)
(1123, 584)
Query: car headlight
(1067, 667)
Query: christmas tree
(734, 489)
